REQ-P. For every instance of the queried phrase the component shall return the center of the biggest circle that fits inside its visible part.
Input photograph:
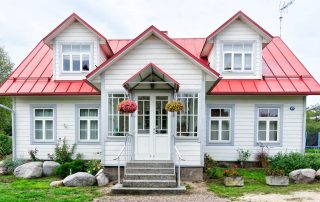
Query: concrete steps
(149, 176)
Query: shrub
(208, 162)
(63, 153)
(214, 173)
(72, 167)
(275, 172)
(32, 154)
(5, 145)
(244, 155)
(10, 164)
(94, 166)
(262, 158)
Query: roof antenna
(282, 8)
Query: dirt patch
(302, 196)
(199, 192)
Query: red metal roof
(34, 77)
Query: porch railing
(125, 151)
(177, 152)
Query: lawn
(254, 180)
(14, 189)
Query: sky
(24, 23)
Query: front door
(152, 138)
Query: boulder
(318, 174)
(101, 178)
(3, 170)
(79, 179)
(56, 183)
(303, 175)
(49, 168)
(29, 170)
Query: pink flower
(127, 106)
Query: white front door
(152, 138)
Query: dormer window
(237, 56)
(76, 58)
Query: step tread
(117, 186)
(149, 180)
(150, 174)
(137, 168)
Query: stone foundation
(193, 174)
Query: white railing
(177, 152)
(127, 148)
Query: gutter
(13, 115)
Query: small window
(220, 125)
(43, 124)
(88, 124)
(118, 122)
(237, 56)
(268, 124)
(187, 119)
(75, 58)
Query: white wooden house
(241, 88)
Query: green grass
(13, 189)
(254, 180)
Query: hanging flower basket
(174, 106)
(127, 106)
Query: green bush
(214, 173)
(5, 145)
(72, 167)
(208, 162)
(11, 164)
(94, 166)
(293, 161)
(63, 152)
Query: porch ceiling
(151, 77)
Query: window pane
(227, 61)
(66, 62)
(85, 48)
(238, 47)
(49, 129)
(214, 125)
(215, 112)
(214, 135)
(83, 134)
(76, 62)
(273, 125)
(248, 47)
(48, 113)
(66, 48)
(227, 47)
(225, 125)
(248, 61)
(38, 134)
(262, 125)
(83, 125)
(93, 112)
(38, 125)
(237, 61)
(273, 112)
(38, 129)
(262, 135)
(49, 125)
(85, 62)
(38, 112)
(225, 112)
(49, 134)
(273, 135)
(225, 135)
(263, 112)
(84, 112)
(75, 48)
(94, 130)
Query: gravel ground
(303, 196)
(199, 193)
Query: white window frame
(186, 95)
(111, 132)
(243, 53)
(267, 120)
(88, 119)
(43, 119)
(80, 53)
(220, 119)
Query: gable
(238, 30)
(76, 32)
(159, 53)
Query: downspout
(13, 123)
(304, 124)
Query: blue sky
(24, 23)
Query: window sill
(88, 142)
(219, 143)
(273, 144)
(186, 138)
(51, 142)
(115, 138)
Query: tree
(5, 116)
(313, 118)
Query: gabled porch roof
(151, 77)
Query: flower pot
(277, 180)
(233, 181)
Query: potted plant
(127, 106)
(232, 178)
(174, 106)
(276, 177)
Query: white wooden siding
(237, 31)
(154, 50)
(65, 117)
(244, 125)
(191, 152)
(75, 33)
